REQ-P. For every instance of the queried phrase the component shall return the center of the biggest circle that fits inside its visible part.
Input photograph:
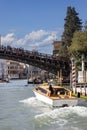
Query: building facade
(56, 46)
(14, 69)
(3, 69)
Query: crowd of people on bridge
(50, 62)
(21, 51)
(23, 54)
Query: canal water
(20, 110)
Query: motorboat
(56, 96)
(30, 81)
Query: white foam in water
(80, 111)
(60, 116)
(55, 113)
(32, 101)
(62, 112)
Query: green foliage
(63, 51)
(79, 47)
(85, 27)
(79, 44)
(72, 24)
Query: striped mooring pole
(73, 75)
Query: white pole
(83, 63)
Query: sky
(35, 24)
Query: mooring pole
(73, 76)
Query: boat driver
(51, 89)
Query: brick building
(56, 46)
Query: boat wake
(33, 102)
(30, 101)
(62, 116)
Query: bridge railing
(21, 51)
(45, 61)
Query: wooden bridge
(44, 61)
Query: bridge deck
(40, 60)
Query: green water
(20, 110)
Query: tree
(85, 26)
(79, 46)
(72, 24)
(79, 43)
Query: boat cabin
(54, 91)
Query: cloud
(37, 40)
(36, 35)
(8, 39)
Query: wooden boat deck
(57, 96)
(53, 96)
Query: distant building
(3, 69)
(82, 76)
(56, 46)
(33, 71)
(14, 69)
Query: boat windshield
(60, 91)
(42, 90)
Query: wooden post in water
(60, 77)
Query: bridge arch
(43, 61)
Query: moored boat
(55, 96)
(30, 81)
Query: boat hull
(43, 98)
(56, 102)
